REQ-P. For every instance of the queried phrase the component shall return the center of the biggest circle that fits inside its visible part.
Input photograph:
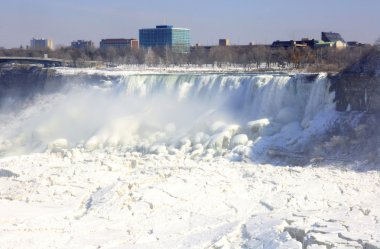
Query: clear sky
(242, 21)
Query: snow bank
(131, 200)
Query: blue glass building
(178, 39)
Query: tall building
(82, 44)
(177, 39)
(41, 43)
(119, 43)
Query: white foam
(145, 110)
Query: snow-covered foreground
(109, 199)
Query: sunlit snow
(179, 160)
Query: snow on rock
(7, 173)
(159, 149)
(240, 139)
(217, 127)
(258, 125)
(219, 140)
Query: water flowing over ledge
(238, 116)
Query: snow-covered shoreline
(75, 199)
(144, 69)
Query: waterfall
(199, 114)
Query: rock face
(358, 87)
(356, 134)
(22, 81)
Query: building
(199, 47)
(337, 44)
(290, 44)
(283, 44)
(41, 43)
(119, 43)
(356, 44)
(331, 37)
(82, 44)
(311, 43)
(177, 39)
(224, 42)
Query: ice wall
(203, 115)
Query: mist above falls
(238, 116)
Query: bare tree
(150, 57)
(377, 42)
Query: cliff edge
(23, 81)
(358, 86)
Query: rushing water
(234, 115)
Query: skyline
(241, 21)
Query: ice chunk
(232, 129)
(240, 139)
(158, 149)
(219, 141)
(258, 125)
(60, 143)
(197, 150)
(184, 145)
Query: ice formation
(148, 160)
(181, 112)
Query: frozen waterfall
(203, 115)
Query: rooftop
(118, 40)
(331, 37)
(164, 26)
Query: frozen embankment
(129, 200)
(184, 160)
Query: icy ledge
(74, 199)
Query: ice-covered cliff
(358, 86)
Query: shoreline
(180, 70)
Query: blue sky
(242, 21)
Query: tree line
(256, 56)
